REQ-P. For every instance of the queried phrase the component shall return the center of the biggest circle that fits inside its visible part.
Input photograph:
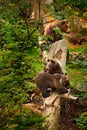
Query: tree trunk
(51, 110)
(59, 50)
(52, 104)
(40, 10)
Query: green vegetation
(76, 68)
(66, 8)
(82, 121)
(77, 64)
(20, 62)
(58, 32)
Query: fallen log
(59, 50)
(52, 104)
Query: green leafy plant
(81, 121)
(58, 32)
(19, 62)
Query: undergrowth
(19, 62)
(78, 75)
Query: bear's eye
(49, 90)
(48, 60)
(52, 61)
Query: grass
(80, 49)
(77, 74)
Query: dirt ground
(69, 111)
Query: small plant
(81, 121)
(58, 32)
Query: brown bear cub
(53, 66)
(49, 29)
(55, 82)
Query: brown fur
(53, 66)
(62, 24)
(49, 29)
(64, 80)
(45, 81)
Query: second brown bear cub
(55, 82)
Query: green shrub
(19, 62)
(81, 121)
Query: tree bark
(40, 11)
(59, 50)
(51, 110)
(52, 104)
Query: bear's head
(53, 66)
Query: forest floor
(70, 110)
